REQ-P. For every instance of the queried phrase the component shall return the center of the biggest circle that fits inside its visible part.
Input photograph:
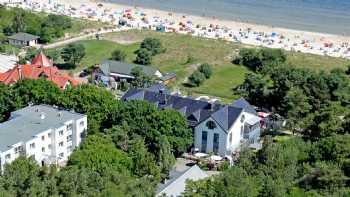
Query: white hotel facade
(43, 132)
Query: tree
(73, 53)
(143, 56)
(173, 125)
(118, 55)
(254, 89)
(196, 78)
(57, 21)
(18, 23)
(250, 58)
(98, 153)
(6, 102)
(206, 69)
(326, 122)
(166, 159)
(153, 45)
(22, 177)
(141, 80)
(143, 161)
(40, 91)
(272, 56)
(261, 59)
(97, 103)
(296, 106)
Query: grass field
(180, 47)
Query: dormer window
(211, 124)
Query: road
(74, 39)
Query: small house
(23, 39)
(121, 71)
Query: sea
(326, 16)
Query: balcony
(251, 132)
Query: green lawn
(180, 47)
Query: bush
(206, 70)
(256, 59)
(118, 55)
(143, 57)
(153, 45)
(196, 79)
(73, 53)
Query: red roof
(42, 60)
(29, 71)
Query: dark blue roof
(242, 103)
(158, 87)
(195, 111)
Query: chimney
(19, 70)
(211, 106)
(42, 116)
(163, 96)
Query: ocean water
(327, 16)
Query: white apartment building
(43, 132)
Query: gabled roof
(25, 37)
(110, 66)
(244, 104)
(28, 71)
(42, 60)
(177, 182)
(158, 87)
(226, 116)
(195, 111)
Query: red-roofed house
(39, 69)
(42, 60)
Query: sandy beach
(235, 25)
(247, 33)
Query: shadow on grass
(188, 85)
(66, 66)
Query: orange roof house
(42, 60)
(39, 68)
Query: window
(242, 130)
(49, 135)
(8, 156)
(60, 144)
(70, 148)
(42, 138)
(49, 147)
(60, 133)
(69, 138)
(230, 138)
(43, 149)
(216, 143)
(81, 123)
(18, 149)
(61, 155)
(32, 145)
(69, 127)
(204, 141)
(211, 124)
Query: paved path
(74, 39)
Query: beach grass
(184, 53)
(80, 25)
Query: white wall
(226, 147)
(235, 130)
(50, 156)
